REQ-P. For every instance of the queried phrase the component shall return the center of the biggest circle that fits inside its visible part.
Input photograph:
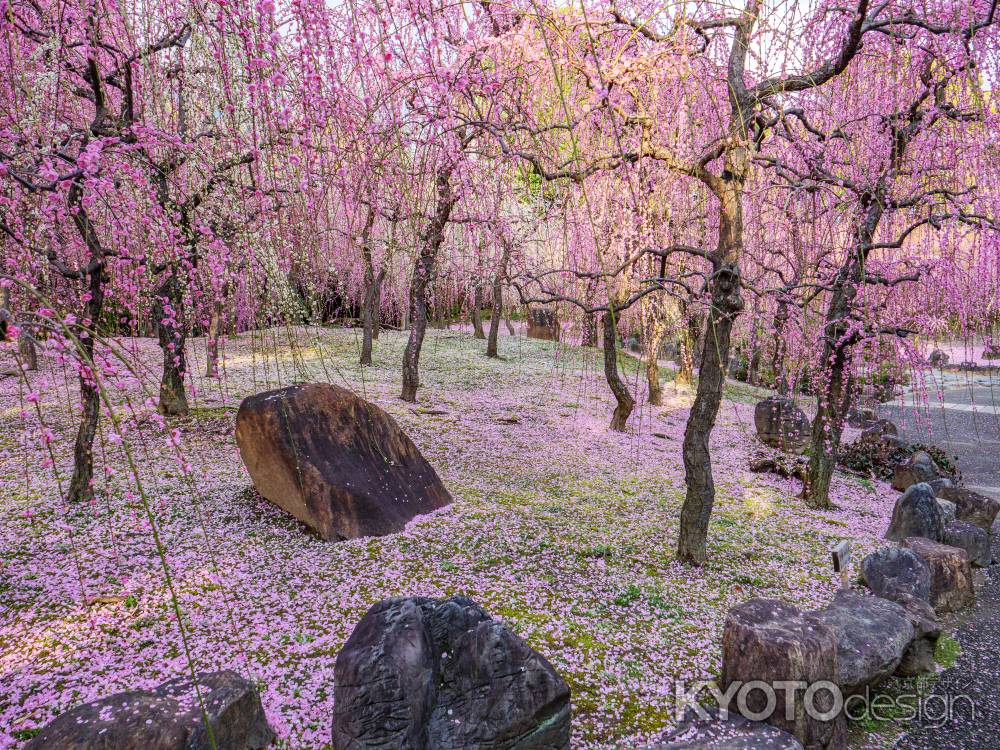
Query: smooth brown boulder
(169, 717)
(336, 462)
(951, 573)
(771, 641)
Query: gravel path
(963, 417)
(976, 675)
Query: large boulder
(949, 511)
(919, 467)
(769, 640)
(443, 675)
(919, 655)
(543, 324)
(879, 431)
(951, 573)
(167, 718)
(781, 424)
(938, 358)
(916, 513)
(892, 572)
(971, 506)
(872, 636)
(724, 731)
(972, 539)
(336, 462)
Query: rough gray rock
(919, 467)
(872, 635)
(972, 539)
(972, 507)
(893, 572)
(732, 732)
(949, 512)
(916, 513)
(937, 359)
(951, 573)
(940, 484)
(878, 431)
(443, 675)
(919, 655)
(166, 718)
(769, 640)
(781, 424)
(338, 463)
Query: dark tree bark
(370, 315)
(477, 316)
(833, 391)
(81, 486)
(497, 313)
(423, 273)
(625, 402)
(589, 329)
(171, 328)
(655, 331)
(781, 380)
(697, 509)
(687, 360)
(726, 304)
(215, 331)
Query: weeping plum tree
(888, 172)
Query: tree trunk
(369, 316)
(501, 274)
(172, 335)
(212, 343)
(81, 486)
(497, 313)
(625, 401)
(477, 317)
(653, 339)
(26, 348)
(690, 334)
(827, 429)
(589, 337)
(831, 396)
(781, 380)
(510, 325)
(697, 509)
(838, 340)
(423, 272)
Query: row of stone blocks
(858, 640)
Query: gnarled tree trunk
(370, 315)
(423, 272)
(625, 402)
(697, 509)
(81, 486)
(477, 316)
(653, 338)
(215, 329)
(168, 312)
(492, 340)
